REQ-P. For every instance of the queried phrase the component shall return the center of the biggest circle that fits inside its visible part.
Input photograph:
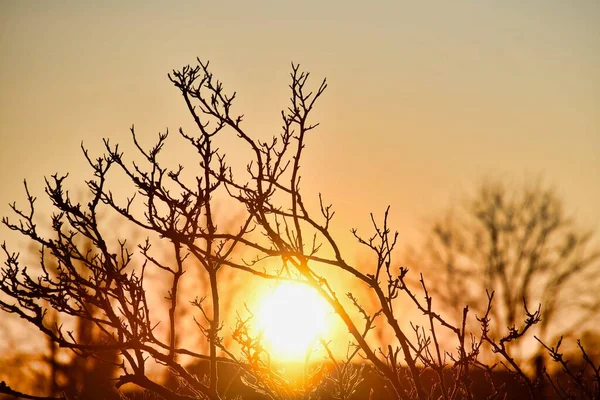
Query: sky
(425, 99)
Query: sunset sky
(425, 99)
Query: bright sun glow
(291, 318)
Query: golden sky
(425, 99)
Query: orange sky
(424, 99)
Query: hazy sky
(424, 100)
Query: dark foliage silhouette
(106, 286)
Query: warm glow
(291, 318)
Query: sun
(291, 318)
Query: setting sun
(291, 318)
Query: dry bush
(105, 284)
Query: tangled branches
(106, 286)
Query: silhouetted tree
(519, 243)
(105, 286)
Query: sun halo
(291, 318)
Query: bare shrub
(277, 225)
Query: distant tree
(519, 243)
(105, 285)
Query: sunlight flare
(291, 318)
